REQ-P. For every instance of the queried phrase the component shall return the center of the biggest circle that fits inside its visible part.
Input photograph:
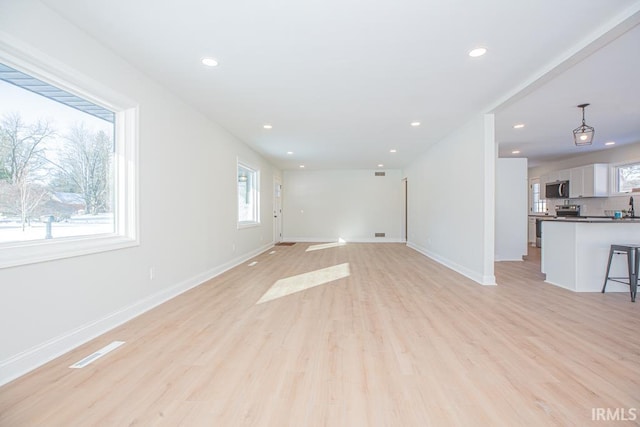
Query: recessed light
(515, 152)
(380, 165)
(301, 166)
(610, 143)
(518, 126)
(414, 124)
(209, 62)
(393, 150)
(479, 51)
(267, 127)
(289, 152)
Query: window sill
(242, 225)
(24, 253)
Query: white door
(277, 210)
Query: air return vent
(380, 234)
(381, 173)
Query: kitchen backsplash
(597, 206)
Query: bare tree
(22, 146)
(23, 164)
(84, 165)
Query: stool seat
(633, 262)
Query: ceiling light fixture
(267, 127)
(393, 150)
(289, 152)
(380, 165)
(518, 126)
(301, 166)
(209, 62)
(479, 51)
(583, 134)
(610, 143)
(415, 124)
(515, 152)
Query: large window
(67, 170)
(248, 195)
(627, 177)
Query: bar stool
(633, 261)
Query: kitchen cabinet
(532, 230)
(589, 181)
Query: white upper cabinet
(589, 181)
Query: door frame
(277, 209)
(405, 216)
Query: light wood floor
(401, 341)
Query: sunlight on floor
(340, 242)
(293, 284)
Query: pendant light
(583, 135)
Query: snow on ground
(80, 225)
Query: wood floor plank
(400, 341)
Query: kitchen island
(575, 252)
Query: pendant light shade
(583, 135)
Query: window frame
(256, 189)
(613, 177)
(126, 216)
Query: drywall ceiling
(341, 81)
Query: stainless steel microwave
(557, 190)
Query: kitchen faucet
(631, 212)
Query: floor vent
(380, 234)
(98, 354)
(381, 174)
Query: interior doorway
(277, 210)
(405, 225)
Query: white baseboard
(37, 356)
(486, 280)
(333, 239)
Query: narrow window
(538, 205)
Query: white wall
(348, 204)
(451, 201)
(187, 164)
(511, 209)
(593, 206)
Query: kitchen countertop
(592, 219)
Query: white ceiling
(340, 81)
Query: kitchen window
(538, 205)
(67, 166)
(626, 177)
(248, 196)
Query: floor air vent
(98, 354)
(381, 174)
(380, 234)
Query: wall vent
(381, 173)
(380, 234)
